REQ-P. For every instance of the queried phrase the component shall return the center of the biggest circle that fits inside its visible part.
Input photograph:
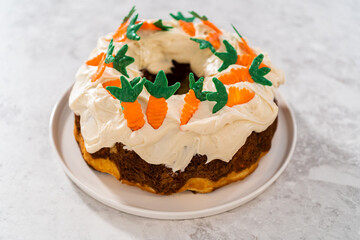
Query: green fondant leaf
(109, 57)
(160, 88)
(204, 44)
(197, 86)
(115, 91)
(135, 81)
(229, 57)
(160, 25)
(133, 28)
(203, 18)
(263, 71)
(180, 16)
(258, 74)
(121, 61)
(127, 17)
(220, 96)
(236, 31)
(128, 92)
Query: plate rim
(56, 111)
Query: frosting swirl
(217, 135)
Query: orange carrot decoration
(214, 39)
(243, 44)
(120, 34)
(252, 73)
(112, 83)
(157, 105)
(100, 70)
(186, 24)
(211, 25)
(128, 94)
(234, 97)
(236, 75)
(192, 99)
(104, 62)
(247, 58)
(206, 22)
(239, 96)
(96, 60)
(156, 26)
(190, 107)
(187, 27)
(149, 26)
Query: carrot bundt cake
(177, 105)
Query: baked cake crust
(198, 176)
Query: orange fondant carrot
(211, 25)
(156, 111)
(157, 105)
(96, 60)
(246, 60)
(213, 38)
(149, 26)
(120, 34)
(236, 75)
(101, 68)
(190, 107)
(113, 83)
(245, 47)
(128, 94)
(205, 21)
(187, 27)
(239, 96)
(133, 115)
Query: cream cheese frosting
(217, 135)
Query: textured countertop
(316, 43)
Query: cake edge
(199, 185)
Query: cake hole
(179, 73)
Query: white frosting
(218, 136)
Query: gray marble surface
(316, 43)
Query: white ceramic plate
(111, 192)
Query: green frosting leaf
(220, 96)
(135, 81)
(127, 17)
(109, 57)
(180, 16)
(133, 28)
(129, 91)
(204, 44)
(258, 74)
(203, 18)
(160, 25)
(197, 86)
(160, 88)
(121, 61)
(229, 57)
(236, 31)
